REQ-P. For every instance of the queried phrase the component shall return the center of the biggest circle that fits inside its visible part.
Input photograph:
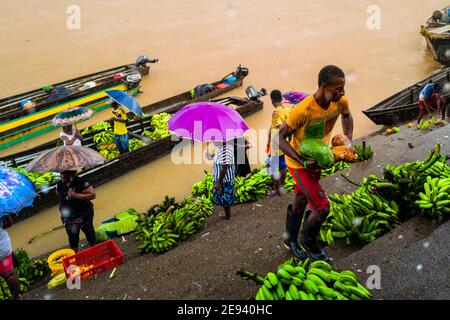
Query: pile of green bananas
(423, 125)
(155, 234)
(204, 187)
(106, 144)
(435, 200)
(254, 187)
(39, 179)
(135, 144)
(169, 222)
(420, 184)
(364, 215)
(160, 127)
(97, 127)
(27, 273)
(190, 217)
(337, 166)
(306, 280)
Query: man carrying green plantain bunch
(313, 118)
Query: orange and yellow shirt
(311, 121)
(279, 115)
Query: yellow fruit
(342, 153)
(410, 125)
(388, 131)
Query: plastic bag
(318, 151)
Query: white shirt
(77, 141)
(5, 242)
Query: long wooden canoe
(18, 123)
(129, 161)
(437, 36)
(404, 106)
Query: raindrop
(279, 42)
(284, 73)
(419, 267)
(447, 53)
(45, 188)
(231, 13)
(145, 289)
(350, 76)
(357, 221)
(285, 236)
(447, 86)
(48, 296)
(65, 212)
(426, 244)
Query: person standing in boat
(76, 208)
(120, 128)
(430, 98)
(70, 136)
(313, 118)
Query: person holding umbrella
(120, 128)
(76, 208)
(214, 122)
(121, 101)
(70, 136)
(6, 261)
(75, 193)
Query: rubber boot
(308, 240)
(293, 222)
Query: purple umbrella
(208, 121)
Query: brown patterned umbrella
(65, 158)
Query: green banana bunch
(435, 198)
(135, 144)
(254, 187)
(109, 154)
(365, 214)
(204, 187)
(39, 179)
(337, 166)
(103, 137)
(155, 234)
(307, 280)
(423, 125)
(160, 127)
(99, 126)
(170, 222)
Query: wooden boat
(19, 122)
(437, 36)
(404, 106)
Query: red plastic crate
(103, 256)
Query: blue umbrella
(126, 100)
(16, 191)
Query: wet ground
(413, 258)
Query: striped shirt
(224, 156)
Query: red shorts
(6, 265)
(431, 102)
(307, 186)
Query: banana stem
(250, 276)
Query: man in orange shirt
(313, 118)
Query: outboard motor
(142, 60)
(253, 94)
(241, 72)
